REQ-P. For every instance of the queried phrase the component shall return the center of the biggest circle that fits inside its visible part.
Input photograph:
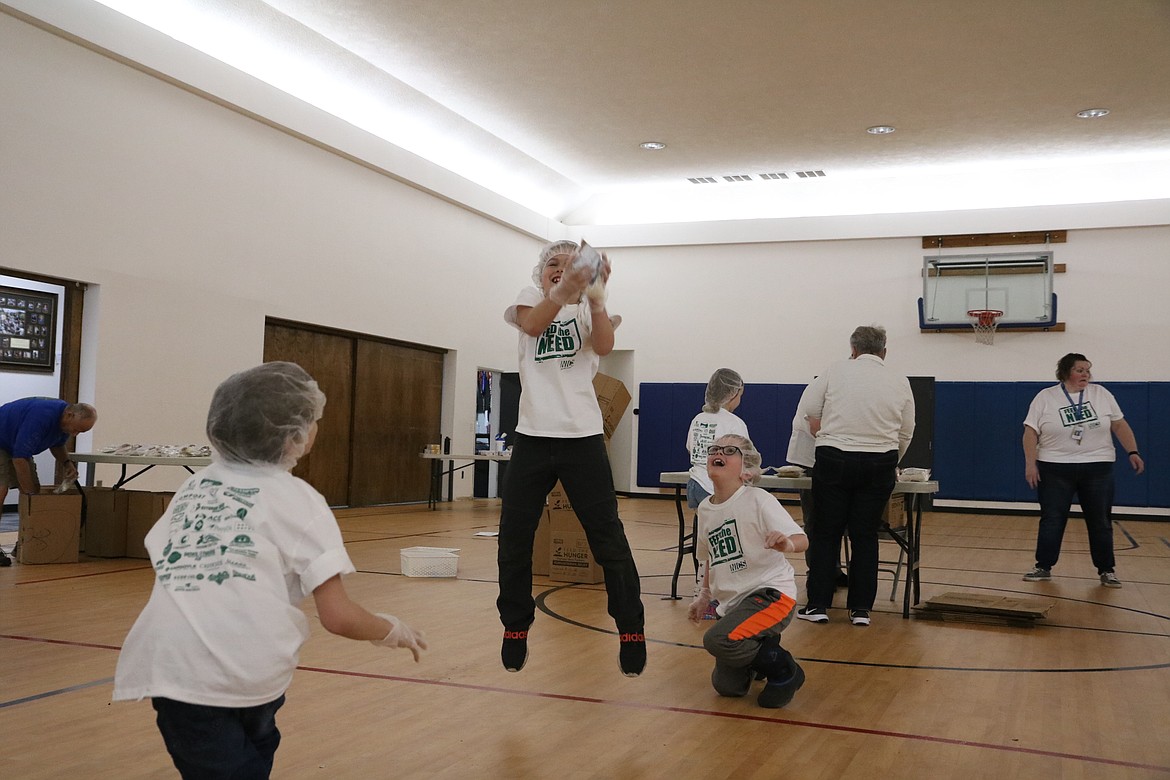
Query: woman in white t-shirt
(1068, 450)
(563, 333)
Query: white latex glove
(597, 292)
(699, 605)
(401, 635)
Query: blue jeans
(208, 743)
(851, 490)
(1092, 484)
(582, 465)
(695, 494)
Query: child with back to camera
(242, 543)
(742, 537)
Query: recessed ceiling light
(880, 130)
(652, 146)
(1092, 113)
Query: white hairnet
(262, 416)
(550, 251)
(752, 460)
(721, 388)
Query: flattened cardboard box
(50, 527)
(570, 559)
(142, 512)
(613, 398)
(1008, 606)
(105, 522)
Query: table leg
(913, 524)
(432, 494)
(682, 536)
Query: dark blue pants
(210, 743)
(1092, 484)
(850, 490)
(582, 465)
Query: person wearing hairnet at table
(242, 543)
(564, 330)
(720, 400)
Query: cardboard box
(50, 527)
(570, 559)
(143, 510)
(558, 499)
(105, 522)
(613, 398)
(540, 547)
(894, 515)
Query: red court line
(748, 717)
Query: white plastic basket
(430, 561)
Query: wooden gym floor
(1083, 695)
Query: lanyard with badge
(1078, 431)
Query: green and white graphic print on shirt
(235, 553)
(1054, 419)
(557, 399)
(731, 537)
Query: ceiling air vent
(810, 174)
(737, 177)
(773, 175)
(701, 180)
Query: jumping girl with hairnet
(742, 536)
(563, 333)
(242, 543)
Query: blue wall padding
(978, 455)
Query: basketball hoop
(984, 322)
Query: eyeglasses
(724, 449)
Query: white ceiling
(544, 102)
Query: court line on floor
(748, 717)
(617, 703)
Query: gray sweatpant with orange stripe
(736, 638)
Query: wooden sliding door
(384, 404)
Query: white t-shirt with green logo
(557, 398)
(234, 555)
(1054, 416)
(731, 537)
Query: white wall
(782, 312)
(193, 222)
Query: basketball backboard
(1019, 285)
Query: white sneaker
(1038, 574)
(1109, 580)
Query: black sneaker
(859, 617)
(632, 653)
(813, 614)
(782, 684)
(4, 559)
(514, 651)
